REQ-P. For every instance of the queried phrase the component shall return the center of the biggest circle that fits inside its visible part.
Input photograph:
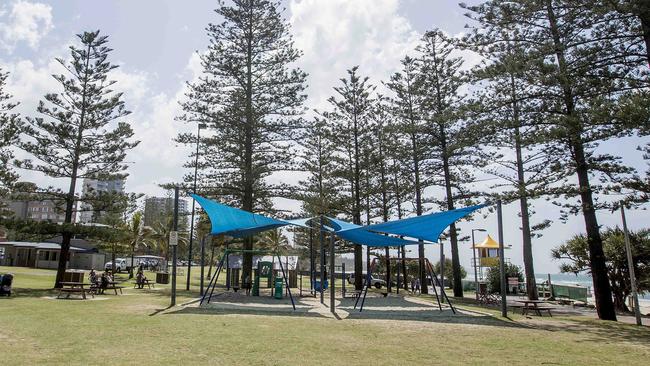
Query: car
(121, 264)
(376, 282)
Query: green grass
(137, 328)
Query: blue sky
(155, 43)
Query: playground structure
(264, 269)
(432, 278)
(425, 229)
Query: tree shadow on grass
(593, 330)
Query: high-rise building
(92, 186)
(31, 206)
(156, 208)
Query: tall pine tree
(250, 95)
(10, 125)
(351, 121)
(81, 133)
(452, 140)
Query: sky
(156, 45)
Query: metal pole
(474, 265)
(196, 165)
(322, 260)
(173, 302)
(332, 277)
(442, 265)
(502, 261)
(312, 262)
(630, 264)
(202, 264)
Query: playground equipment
(264, 269)
(432, 278)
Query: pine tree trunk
(531, 285)
(247, 201)
(602, 289)
(418, 212)
(453, 236)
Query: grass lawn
(137, 327)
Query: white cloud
(336, 35)
(24, 22)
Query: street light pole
(502, 261)
(474, 255)
(174, 246)
(196, 165)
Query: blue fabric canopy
(239, 223)
(358, 235)
(235, 222)
(425, 227)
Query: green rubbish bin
(278, 288)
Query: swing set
(265, 269)
(431, 278)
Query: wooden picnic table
(73, 287)
(534, 306)
(146, 282)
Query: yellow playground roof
(488, 243)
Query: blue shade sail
(239, 223)
(425, 227)
(359, 235)
(235, 222)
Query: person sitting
(104, 281)
(140, 278)
(92, 277)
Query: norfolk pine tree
(81, 134)
(406, 86)
(350, 119)
(251, 99)
(10, 125)
(451, 139)
(505, 106)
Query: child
(92, 277)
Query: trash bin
(162, 277)
(278, 288)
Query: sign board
(173, 238)
(266, 269)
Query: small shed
(488, 252)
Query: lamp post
(474, 255)
(196, 165)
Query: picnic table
(113, 285)
(145, 282)
(534, 305)
(73, 287)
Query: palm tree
(273, 240)
(138, 235)
(159, 237)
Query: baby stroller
(5, 284)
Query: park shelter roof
(488, 243)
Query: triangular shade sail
(239, 223)
(235, 222)
(425, 227)
(358, 235)
(488, 243)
